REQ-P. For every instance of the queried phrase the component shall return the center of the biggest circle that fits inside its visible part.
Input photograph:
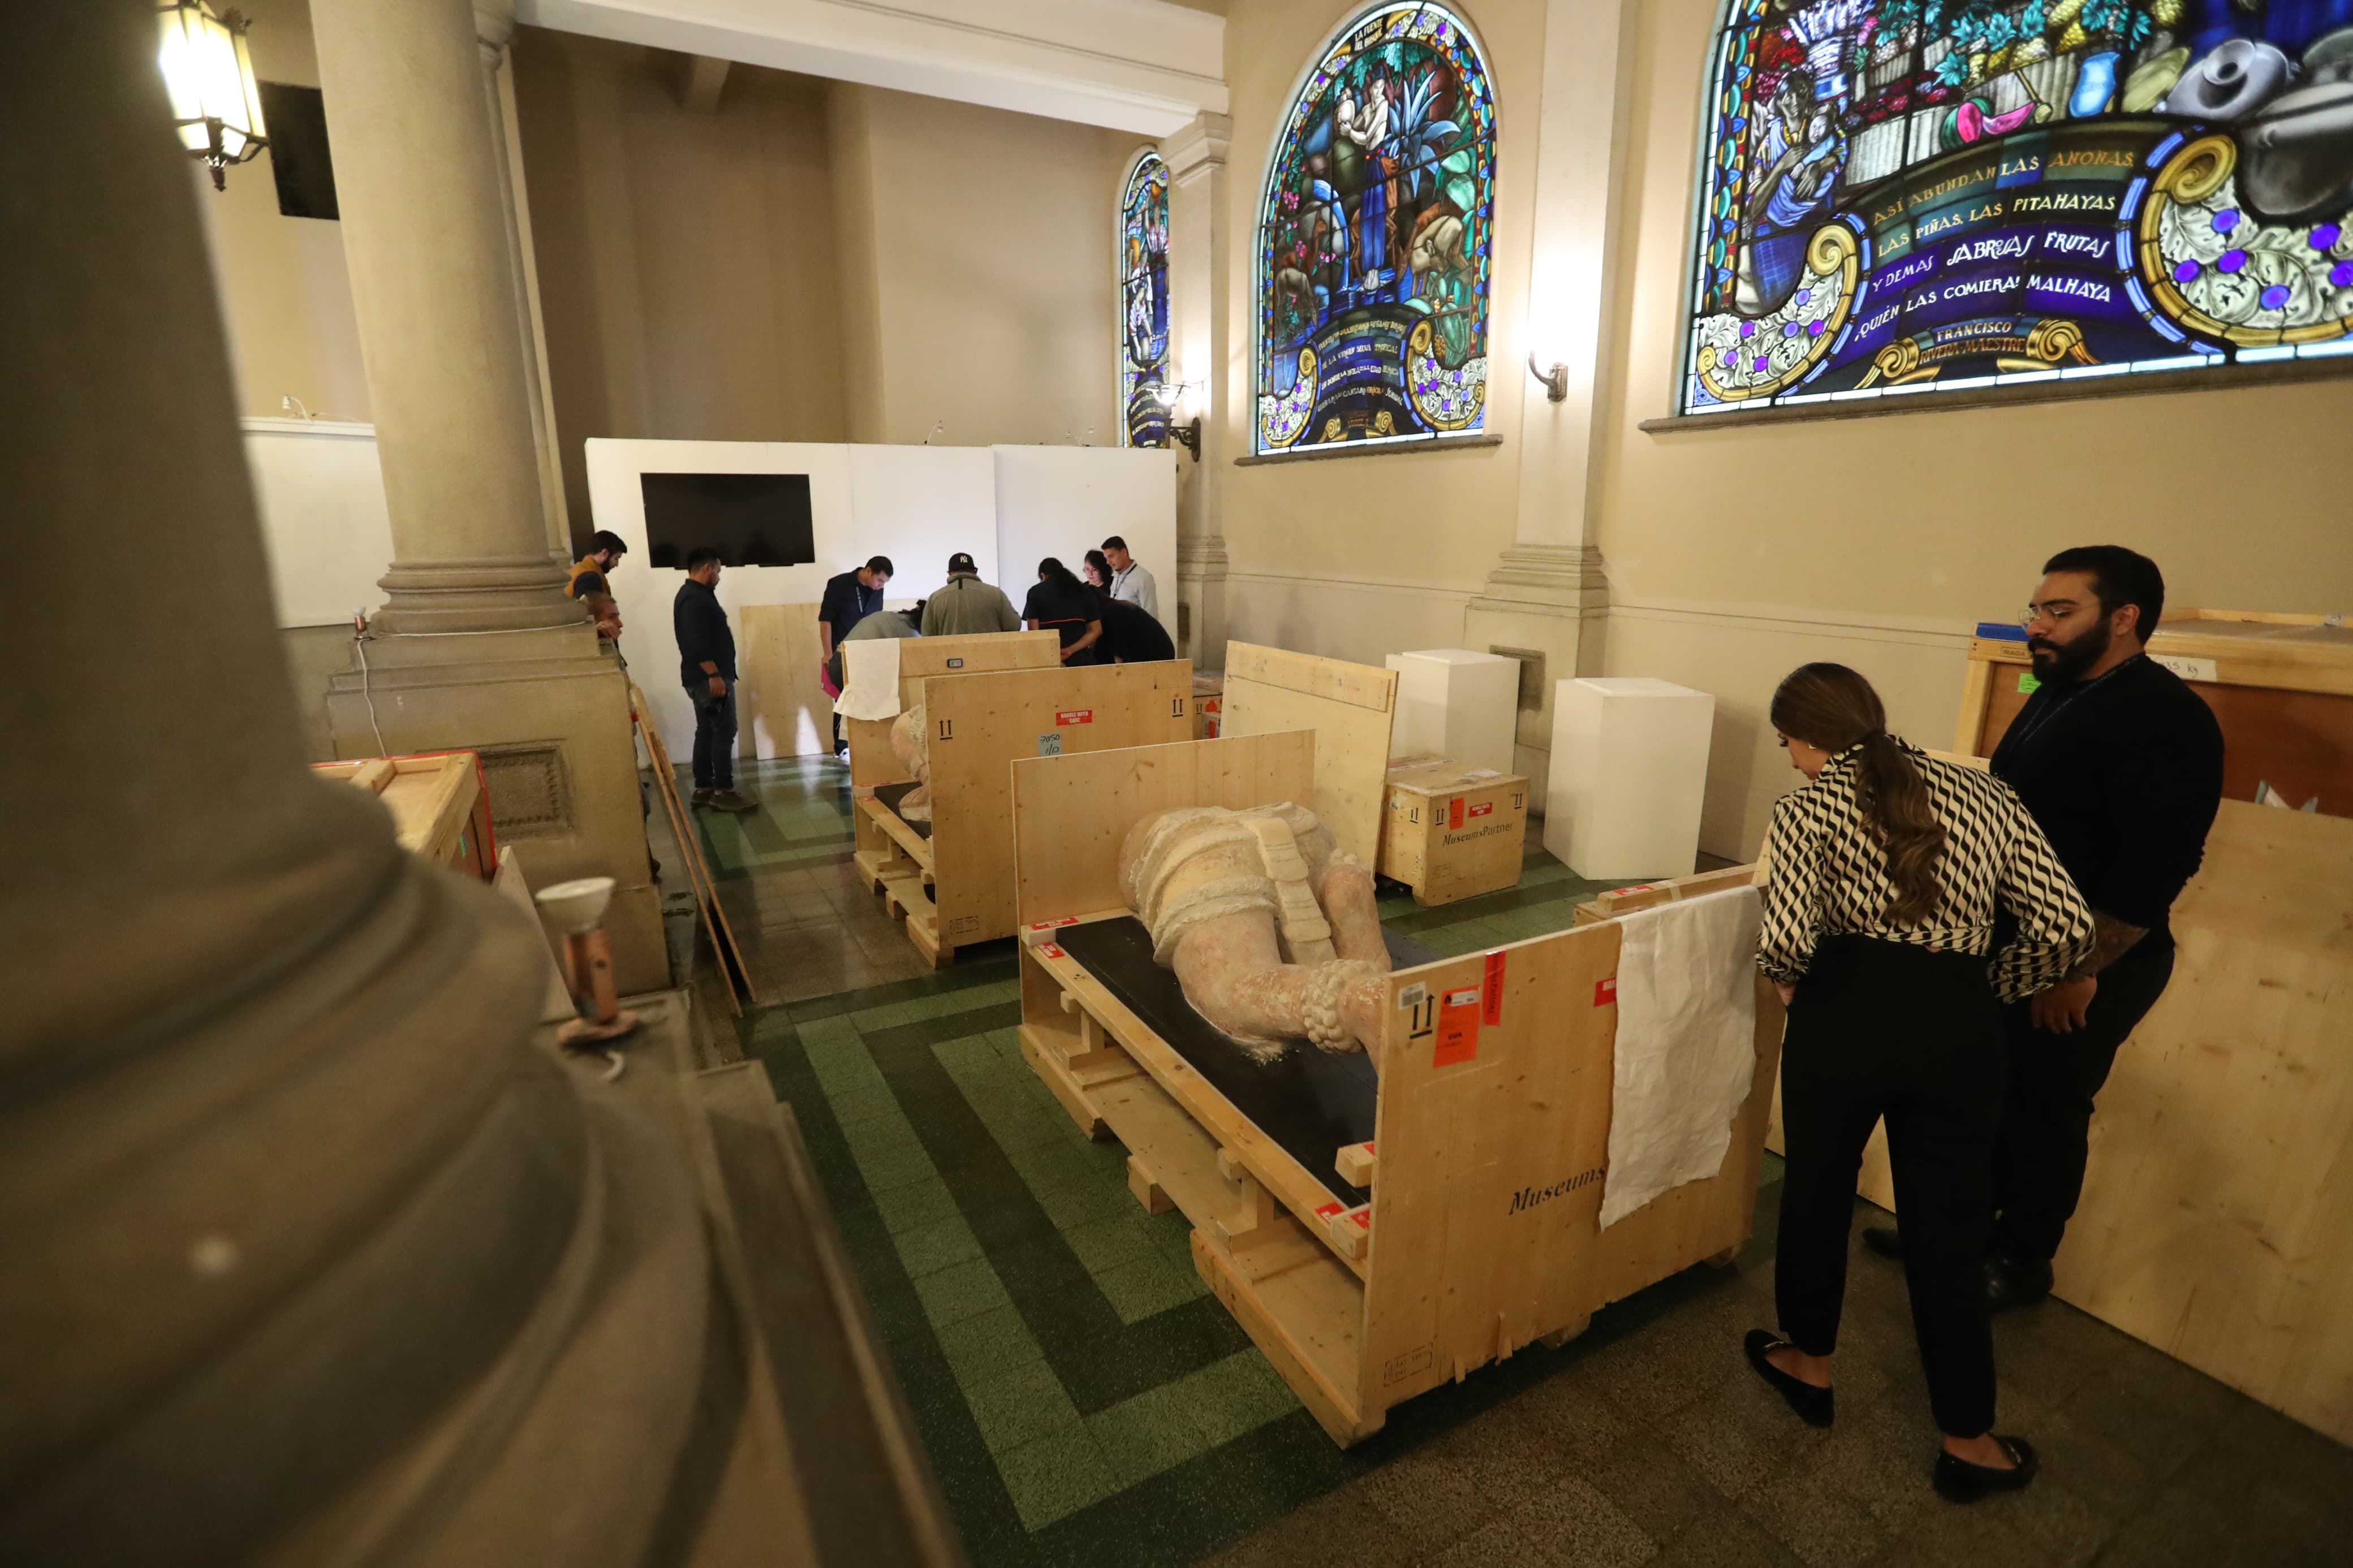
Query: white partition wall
(1004, 506)
(1066, 501)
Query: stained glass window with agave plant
(1144, 384)
(1375, 240)
(1932, 195)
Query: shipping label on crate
(1048, 949)
(956, 663)
(1050, 925)
(1482, 809)
(1050, 744)
(1457, 1027)
(1605, 992)
(2188, 668)
(1493, 1012)
(1075, 716)
(1454, 812)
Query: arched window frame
(1140, 420)
(2174, 186)
(1474, 428)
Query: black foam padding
(890, 795)
(1312, 1102)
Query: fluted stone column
(1547, 596)
(1199, 299)
(307, 1255)
(477, 648)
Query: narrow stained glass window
(1144, 303)
(1932, 195)
(1375, 240)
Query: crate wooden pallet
(1350, 708)
(872, 764)
(439, 807)
(952, 879)
(1452, 831)
(1451, 1262)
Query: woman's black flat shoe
(1815, 1407)
(1957, 1480)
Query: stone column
(1547, 597)
(306, 1254)
(1199, 299)
(495, 25)
(477, 647)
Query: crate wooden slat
(1351, 709)
(1452, 831)
(1458, 1267)
(439, 808)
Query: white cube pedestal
(1629, 774)
(1453, 702)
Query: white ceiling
(1139, 66)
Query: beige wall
(978, 243)
(1735, 554)
(686, 268)
(284, 293)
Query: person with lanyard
(1884, 872)
(1130, 581)
(2121, 763)
(848, 599)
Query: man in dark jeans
(706, 668)
(848, 599)
(2120, 764)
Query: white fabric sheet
(869, 679)
(1686, 1044)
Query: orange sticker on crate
(1075, 716)
(1454, 812)
(1492, 989)
(1329, 1212)
(1482, 808)
(1049, 925)
(1457, 1027)
(1605, 992)
(1048, 950)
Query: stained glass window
(1930, 195)
(1375, 240)
(1144, 303)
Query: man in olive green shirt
(967, 604)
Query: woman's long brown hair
(1831, 706)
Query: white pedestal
(1456, 703)
(1629, 774)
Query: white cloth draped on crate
(1686, 1045)
(869, 686)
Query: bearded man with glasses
(2120, 764)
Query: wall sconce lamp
(1188, 434)
(216, 103)
(1556, 380)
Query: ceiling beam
(1139, 66)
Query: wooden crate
(1451, 830)
(440, 807)
(1455, 1263)
(1350, 708)
(954, 887)
(872, 763)
(2281, 685)
(780, 703)
(1209, 702)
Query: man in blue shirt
(848, 599)
(706, 668)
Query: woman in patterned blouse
(1885, 873)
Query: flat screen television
(752, 519)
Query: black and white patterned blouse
(1827, 873)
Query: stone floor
(1085, 1402)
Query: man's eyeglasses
(2056, 610)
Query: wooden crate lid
(1430, 774)
(430, 797)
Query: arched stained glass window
(1375, 240)
(1144, 303)
(1932, 195)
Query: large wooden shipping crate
(1467, 1225)
(951, 879)
(1349, 708)
(1452, 831)
(440, 808)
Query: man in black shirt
(706, 668)
(848, 599)
(1130, 634)
(2120, 764)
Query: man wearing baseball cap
(967, 604)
